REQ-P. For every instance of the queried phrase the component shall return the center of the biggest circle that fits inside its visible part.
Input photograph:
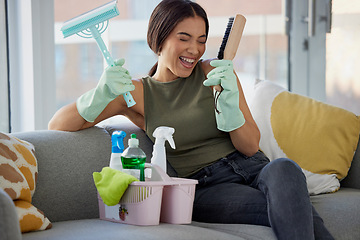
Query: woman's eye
(182, 39)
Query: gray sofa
(65, 192)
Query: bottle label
(134, 166)
(133, 172)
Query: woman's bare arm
(246, 138)
(68, 118)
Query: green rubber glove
(112, 184)
(229, 116)
(114, 81)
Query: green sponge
(111, 184)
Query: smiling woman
(219, 146)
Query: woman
(217, 144)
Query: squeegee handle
(97, 36)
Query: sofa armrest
(353, 178)
(9, 222)
(65, 188)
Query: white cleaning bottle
(161, 134)
(117, 147)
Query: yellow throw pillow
(18, 174)
(321, 138)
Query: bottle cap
(133, 141)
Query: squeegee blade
(89, 19)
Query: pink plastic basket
(140, 205)
(177, 201)
(160, 198)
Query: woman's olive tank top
(188, 106)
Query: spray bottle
(133, 159)
(161, 134)
(117, 147)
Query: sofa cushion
(340, 212)
(321, 138)
(18, 173)
(94, 229)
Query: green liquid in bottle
(135, 163)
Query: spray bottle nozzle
(117, 139)
(164, 133)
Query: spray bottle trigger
(170, 139)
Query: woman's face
(182, 49)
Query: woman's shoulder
(138, 83)
(205, 65)
(138, 93)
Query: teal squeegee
(91, 25)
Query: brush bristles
(225, 38)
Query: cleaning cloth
(111, 184)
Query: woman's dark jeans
(252, 190)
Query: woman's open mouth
(187, 62)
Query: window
(31, 63)
(342, 56)
(4, 87)
(324, 51)
(308, 25)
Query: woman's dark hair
(165, 17)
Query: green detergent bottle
(133, 159)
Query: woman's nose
(193, 48)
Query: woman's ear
(159, 52)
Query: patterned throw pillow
(18, 173)
(321, 138)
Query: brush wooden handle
(233, 41)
